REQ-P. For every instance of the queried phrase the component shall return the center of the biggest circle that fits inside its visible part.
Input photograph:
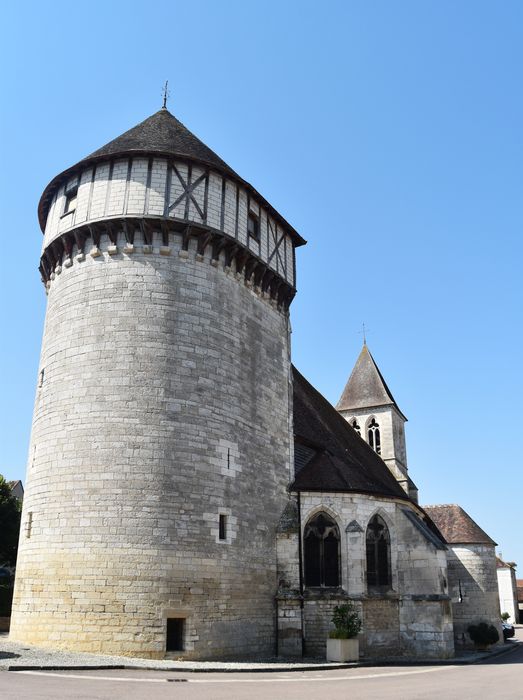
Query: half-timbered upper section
(159, 180)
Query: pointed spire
(366, 387)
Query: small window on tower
(222, 528)
(253, 226)
(70, 200)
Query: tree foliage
(10, 513)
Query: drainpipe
(300, 559)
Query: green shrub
(346, 621)
(505, 616)
(483, 634)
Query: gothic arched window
(354, 424)
(373, 433)
(378, 554)
(321, 541)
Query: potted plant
(343, 643)
(483, 635)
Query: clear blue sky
(388, 133)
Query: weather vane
(364, 332)
(165, 94)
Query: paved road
(499, 679)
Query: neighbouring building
(508, 591)
(519, 588)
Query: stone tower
(368, 405)
(160, 450)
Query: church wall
(508, 601)
(414, 617)
(473, 588)
(149, 187)
(164, 402)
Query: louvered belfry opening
(322, 552)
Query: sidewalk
(16, 657)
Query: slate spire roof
(456, 525)
(162, 133)
(366, 387)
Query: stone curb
(272, 668)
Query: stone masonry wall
(163, 401)
(474, 589)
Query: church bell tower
(368, 405)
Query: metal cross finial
(364, 333)
(165, 93)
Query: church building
(189, 494)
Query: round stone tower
(160, 450)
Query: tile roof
(330, 455)
(456, 525)
(366, 387)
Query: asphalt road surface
(498, 679)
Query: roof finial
(364, 333)
(165, 93)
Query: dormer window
(253, 226)
(373, 434)
(70, 200)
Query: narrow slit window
(175, 634)
(253, 226)
(41, 377)
(29, 524)
(222, 527)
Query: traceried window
(354, 424)
(378, 554)
(322, 552)
(373, 434)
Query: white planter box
(343, 649)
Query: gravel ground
(14, 655)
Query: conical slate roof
(162, 133)
(456, 525)
(366, 387)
